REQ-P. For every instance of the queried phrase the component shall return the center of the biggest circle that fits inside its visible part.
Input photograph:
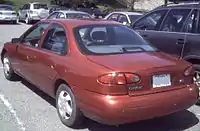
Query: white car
(8, 14)
(69, 14)
(33, 12)
(126, 18)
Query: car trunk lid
(154, 68)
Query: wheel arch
(3, 53)
(58, 82)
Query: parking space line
(12, 111)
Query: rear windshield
(40, 6)
(77, 15)
(6, 7)
(110, 39)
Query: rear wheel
(8, 70)
(67, 109)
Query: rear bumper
(114, 110)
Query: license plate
(161, 80)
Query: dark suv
(174, 29)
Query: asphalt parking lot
(25, 108)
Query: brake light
(189, 71)
(118, 78)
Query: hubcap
(6, 66)
(197, 79)
(65, 104)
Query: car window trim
(66, 49)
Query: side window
(53, 15)
(175, 20)
(191, 24)
(33, 36)
(56, 40)
(61, 16)
(113, 17)
(122, 19)
(152, 21)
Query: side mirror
(15, 40)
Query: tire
(75, 118)
(27, 21)
(8, 70)
(197, 79)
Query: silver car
(69, 14)
(33, 12)
(8, 14)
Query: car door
(54, 47)
(171, 38)
(148, 25)
(192, 29)
(27, 51)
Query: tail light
(189, 71)
(118, 78)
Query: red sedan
(100, 69)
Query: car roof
(127, 13)
(71, 11)
(181, 5)
(82, 22)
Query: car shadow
(176, 122)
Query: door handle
(180, 41)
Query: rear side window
(150, 22)
(56, 40)
(175, 20)
(191, 24)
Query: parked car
(33, 12)
(100, 69)
(53, 8)
(126, 18)
(95, 12)
(175, 30)
(69, 15)
(8, 14)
